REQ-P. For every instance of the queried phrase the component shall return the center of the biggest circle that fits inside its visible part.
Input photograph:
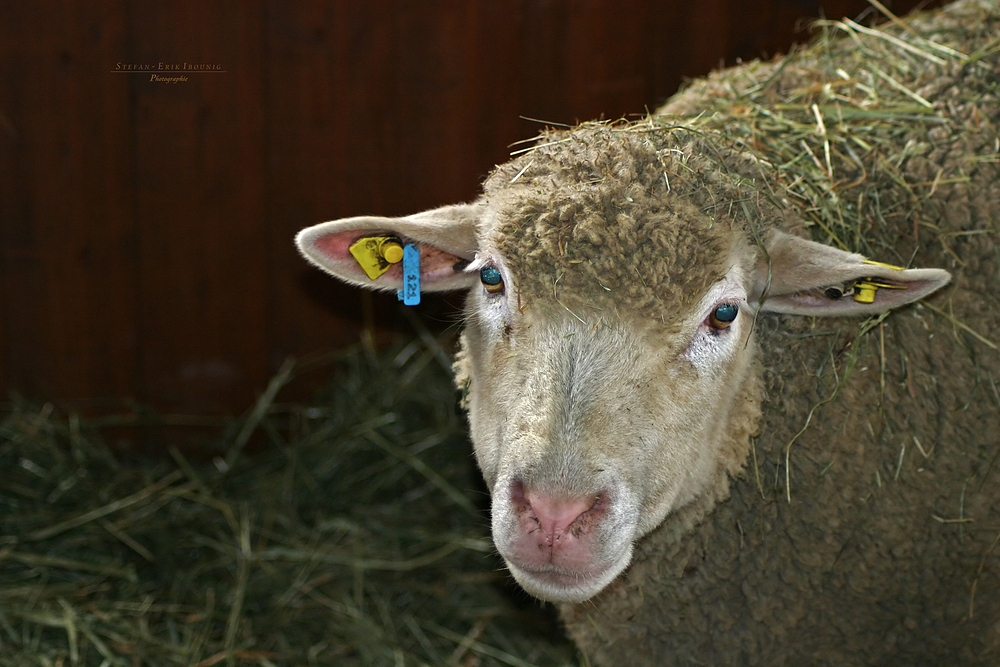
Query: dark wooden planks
(67, 243)
(199, 189)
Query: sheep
(713, 431)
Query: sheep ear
(446, 238)
(808, 278)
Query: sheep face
(591, 426)
(608, 358)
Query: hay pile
(359, 536)
(871, 135)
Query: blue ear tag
(409, 294)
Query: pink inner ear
(337, 246)
(435, 264)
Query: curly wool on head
(606, 215)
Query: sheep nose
(556, 515)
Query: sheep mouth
(555, 584)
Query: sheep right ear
(808, 278)
(446, 238)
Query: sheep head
(614, 277)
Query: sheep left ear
(808, 278)
(445, 237)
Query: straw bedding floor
(357, 533)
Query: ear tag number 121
(409, 293)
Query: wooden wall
(146, 228)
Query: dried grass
(836, 142)
(360, 536)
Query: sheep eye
(491, 279)
(723, 315)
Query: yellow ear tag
(375, 254)
(864, 290)
(888, 266)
